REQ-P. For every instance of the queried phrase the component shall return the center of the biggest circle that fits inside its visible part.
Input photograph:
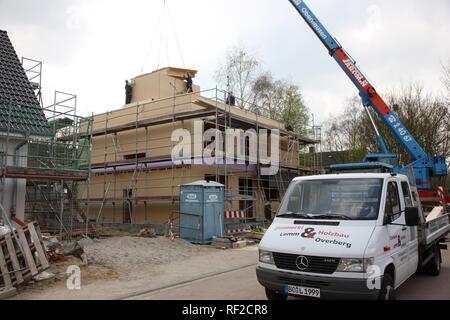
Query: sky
(89, 47)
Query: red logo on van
(309, 233)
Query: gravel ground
(122, 266)
(129, 253)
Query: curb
(182, 283)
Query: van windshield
(340, 199)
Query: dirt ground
(129, 254)
(118, 267)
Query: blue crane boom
(423, 165)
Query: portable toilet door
(213, 207)
(191, 213)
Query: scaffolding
(33, 71)
(312, 156)
(52, 164)
(135, 180)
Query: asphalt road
(242, 285)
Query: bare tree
(426, 117)
(346, 133)
(446, 80)
(238, 72)
(259, 92)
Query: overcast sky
(90, 47)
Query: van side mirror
(412, 216)
(387, 219)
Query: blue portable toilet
(201, 211)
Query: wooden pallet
(21, 260)
(255, 235)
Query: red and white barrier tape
(234, 214)
(441, 196)
(171, 234)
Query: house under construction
(43, 159)
(134, 178)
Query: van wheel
(387, 291)
(433, 267)
(275, 296)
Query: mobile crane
(423, 165)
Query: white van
(356, 236)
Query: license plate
(302, 291)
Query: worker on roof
(231, 99)
(128, 92)
(189, 83)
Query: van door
(413, 243)
(397, 231)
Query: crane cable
(163, 23)
(166, 33)
(151, 43)
(176, 37)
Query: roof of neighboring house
(17, 95)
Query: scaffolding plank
(37, 243)
(43, 173)
(27, 252)
(139, 199)
(4, 269)
(153, 122)
(13, 257)
(147, 160)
